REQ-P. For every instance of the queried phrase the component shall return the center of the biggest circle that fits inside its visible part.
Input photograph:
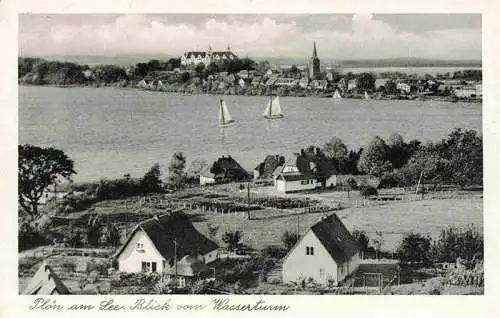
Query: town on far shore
(224, 73)
(395, 217)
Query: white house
(157, 244)
(289, 178)
(328, 253)
(196, 57)
(403, 87)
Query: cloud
(371, 38)
(338, 36)
(136, 34)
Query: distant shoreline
(351, 96)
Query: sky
(338, 36)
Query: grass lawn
(392, 219)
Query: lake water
(109, 132)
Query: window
(309, 250)
(181, 281)
(140, 246)
(153, 267)
(145, 267)
(303, 182)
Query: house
(243, 74)
(403, 87)
(273, 71)
(265, 169)
(304, 82)
(271, 81)
(468, 91)
(224, 170)
(256, 80)
(310, 170)
(168, 244)
(380, 83)
(319, 84)
(290, 179)
(327, 253)
(46, 282)
(352, 84)
(207, 57)
(286, 82)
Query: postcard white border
(13, 305)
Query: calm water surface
(109, 132)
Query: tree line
(37, 71)
(455, 160)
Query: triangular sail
(224, 116)
(366, 95)
(275, 107)
(337, 94)
(267, 111)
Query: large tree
(39, 168)
(334, 149)
(374, 159)
(151, 182)
(464, 152)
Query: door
(322, 278)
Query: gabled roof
(336, 239)
(226, 168)
(46, 282)
(267, 167)
(309, 158)
(163, 230)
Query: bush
(232, 239)
(466, 243)
(100, 267)
(415, 247)
(367, 191)
(274, 251)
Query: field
(392, 219)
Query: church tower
(314, 68)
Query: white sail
(273, 109)
(337, 94)
(276, 107)
(366, 95)
(224, 116)
(267, 111)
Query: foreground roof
(46, 282)
(336, 239)
(163, 230)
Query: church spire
(315, 54)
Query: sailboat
(366, 95)
(225, 119)
(273, 109)
(336, 95)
